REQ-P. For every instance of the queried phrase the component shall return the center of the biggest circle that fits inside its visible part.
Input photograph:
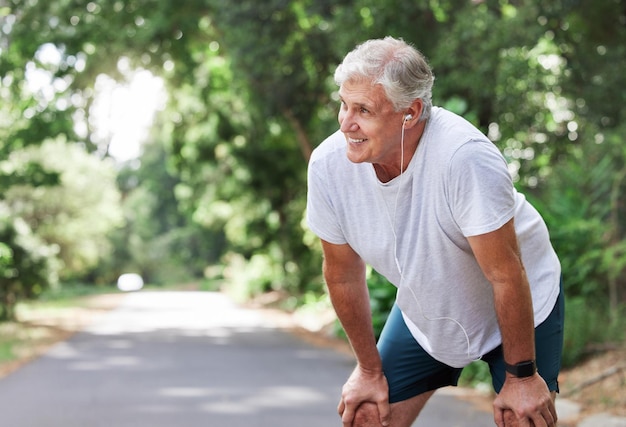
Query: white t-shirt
(413, 230)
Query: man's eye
(364, 110)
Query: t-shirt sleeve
(321, 215)
(481, 195)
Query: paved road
(187, 359)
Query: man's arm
(500, 260)
(344, 272)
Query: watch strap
(522, 369)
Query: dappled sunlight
(183, 392)
(204, 314)
(123, 113)
(229, 400)
(283, 396)
(237, 401)
(63, 350)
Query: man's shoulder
(446, 123)
(333, 146)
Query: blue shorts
(411, 371)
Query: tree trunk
(7, 303)
(615, 238)
(303, 139)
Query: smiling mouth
(356, 141)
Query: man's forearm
(500, 259)
(351, 303)
(514, 309)
(344, 272)
(352, 306)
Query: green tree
(27, 264)
(158, 240)
(74, 216)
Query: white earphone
(392, 222)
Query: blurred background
(170, 139)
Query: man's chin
(356, 157)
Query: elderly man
(423, 197)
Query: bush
(476, 374)
(27, 265)
(588, 325)
(382, 298)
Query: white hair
(398, 67)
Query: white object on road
(129, 282)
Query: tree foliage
(27, 264)
(76, 214)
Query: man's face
(372, 128)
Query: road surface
(191, 359)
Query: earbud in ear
(408, 117)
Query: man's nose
(347, 122)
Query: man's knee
(367, 415)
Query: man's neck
(387, 172)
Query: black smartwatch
(522, 369)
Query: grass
(70, 294)
(22, 341)
(7, 342)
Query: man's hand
(528, 399)
(364, 386)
